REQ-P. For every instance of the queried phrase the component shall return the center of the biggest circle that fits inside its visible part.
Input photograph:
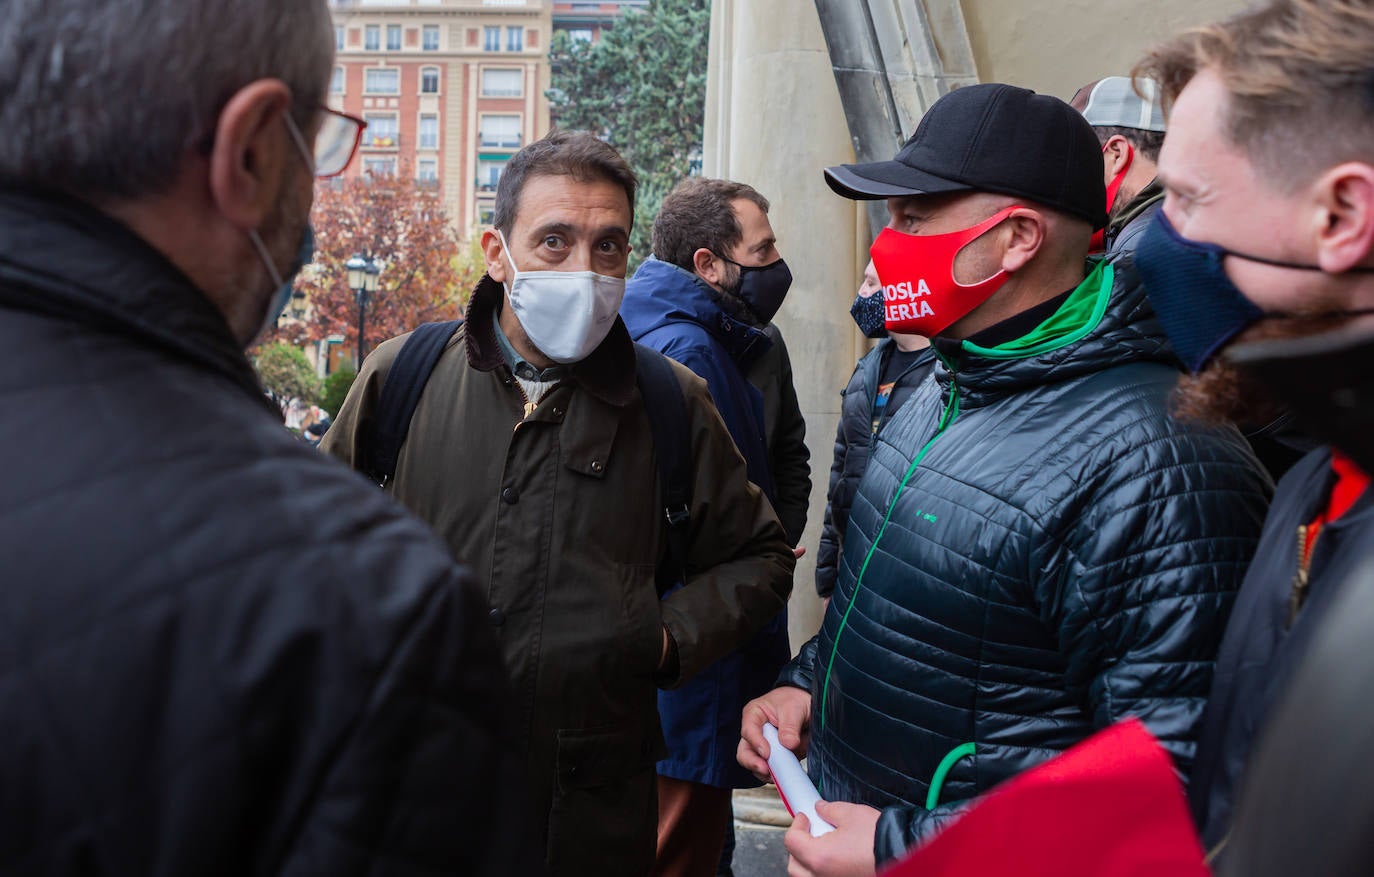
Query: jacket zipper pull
(1300, 578)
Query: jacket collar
(1145, 199)
(661, 293)
(64, 258)
(608, 373)
(1114, 325)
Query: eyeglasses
(334, 145)
(337, 142)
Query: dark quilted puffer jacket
(1054, 553)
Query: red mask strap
(1099, 240)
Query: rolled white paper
(795, 787)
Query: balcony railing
(500, 141)
(381, 140)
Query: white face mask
(566, 314)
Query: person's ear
(1116, 152)
(250, 152)
(708, 266)
(492, 251)
(1345, 217)
(1025, 232)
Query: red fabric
(1111, 806)
(920, 294)
(1350, 485)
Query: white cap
(1114, 103)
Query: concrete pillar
(774, 120)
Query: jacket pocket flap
(590, 757)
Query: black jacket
(220, 651)
(853, 438)
(1260, 651)
(1055, 553)
(789, 459)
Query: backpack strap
(401, 393)
(667, 410)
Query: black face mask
(868, 315)
(1199, 307)
(762, 289)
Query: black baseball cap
(991, 138)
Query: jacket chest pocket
(604, 815)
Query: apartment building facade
(450, 90)
(585, 20)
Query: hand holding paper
(795, 787)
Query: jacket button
(496, 617)
(510, 496)
(597, 466)
(558, 412)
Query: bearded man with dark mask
(706, 299)
(1267, 233)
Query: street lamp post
(363, 273)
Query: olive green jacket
(558, 515)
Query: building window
(579, 34)
(502, 132)
(502, 83)
(428, 171)
(338, 38)
(393, 38)
(336, 82)
(429, 131)
(491, 39)
(431, 38)
(382, 80)
(429, 80)
(379, 166)
(515, 39)
(485, 214)
(381, 130)
(489, 172)
(372, 38)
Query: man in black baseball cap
(1037, 550)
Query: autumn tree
(427, 273)
(642, 87)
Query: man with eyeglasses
(196, 676)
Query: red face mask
(1099, 241)
(920, 294)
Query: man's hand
(845, 852)
(799, 551)
(786, 708)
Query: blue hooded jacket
(678, 314)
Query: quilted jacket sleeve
(828, 554)
(1142, 580)
(1137, 581)
(846, 470)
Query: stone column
(774, 120)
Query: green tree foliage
(286, 373)
(642, 87)
(336, 388)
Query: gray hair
(103, 98)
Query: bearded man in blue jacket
(1037, 548)
(705, 299)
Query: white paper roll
(793, 784)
